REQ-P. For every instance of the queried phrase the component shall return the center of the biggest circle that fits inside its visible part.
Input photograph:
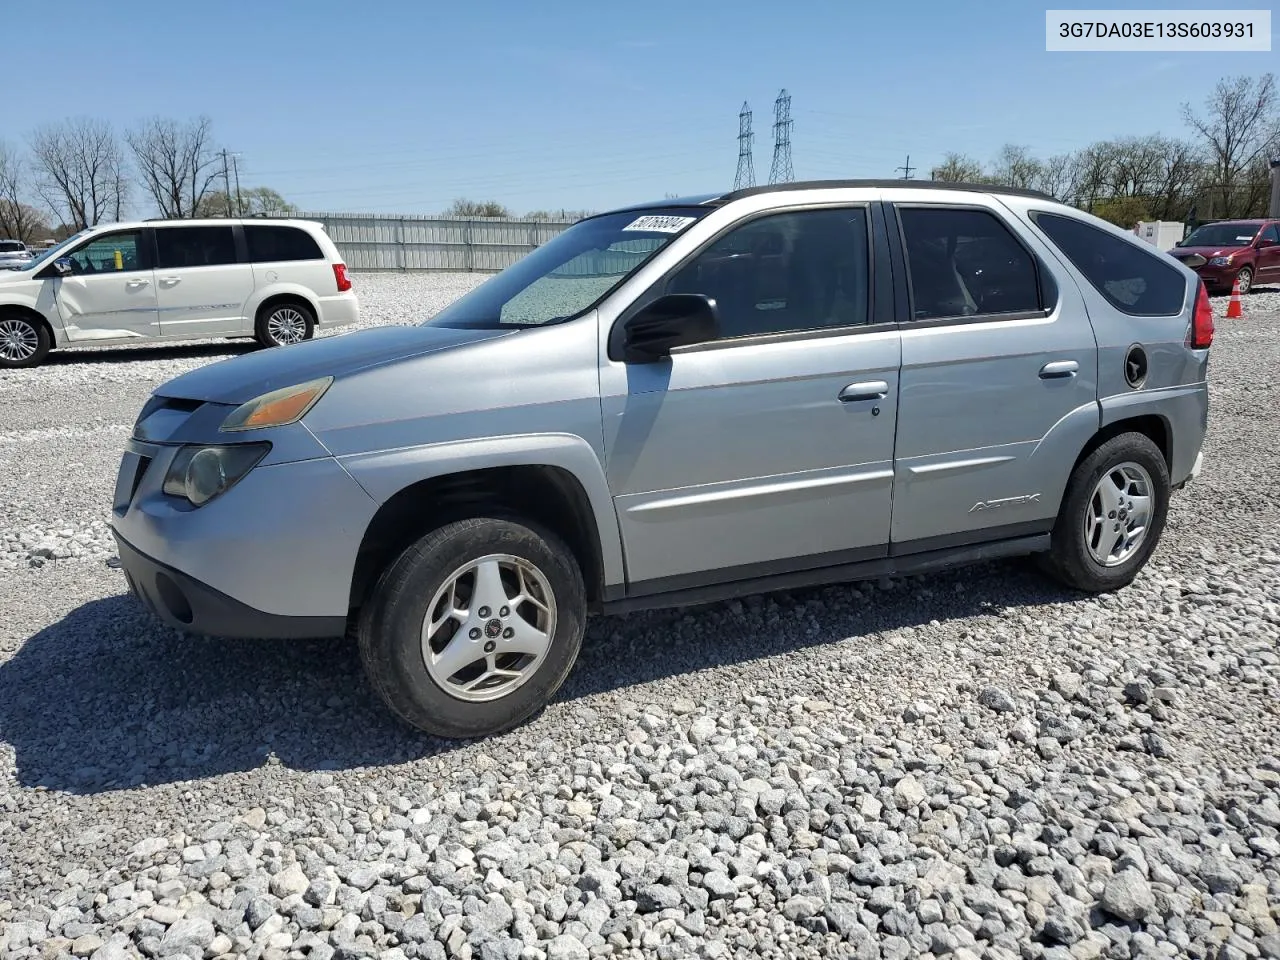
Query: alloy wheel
(1118, 514)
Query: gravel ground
(973, 764)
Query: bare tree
(1016, 167)
(958, 168)
(175, 162)
(1059, 177)
(81, 171)
(18, 221)
(1240, 129)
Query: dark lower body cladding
(184, 602)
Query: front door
(770, 449)
(1269, 256)
(999, 382)
(110, 294)
(201, 284)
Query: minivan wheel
(1112, 516)
(1245, 276)
(474, 628)
(23, 341)
(284, 323)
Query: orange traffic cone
(1233, 308)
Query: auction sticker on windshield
(659, 224)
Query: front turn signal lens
(277, 408)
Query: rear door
(110, 294)
(999, 378)
(286, 254)
(202, 283)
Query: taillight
(1202, 321)
(340, 274)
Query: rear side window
(194, 247)
(1132, 280)
(966, 263)
(270, 244)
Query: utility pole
(781, 170)
(226, 177)
(906, 170)
(236, 167)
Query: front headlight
(277, 408)
(200, 473)
(1219, 261)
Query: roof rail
(882, 184)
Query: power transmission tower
(781, 170)
(906, 170)
(746, 176)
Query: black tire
(391, 625)
(1245, 276)
(17, 333)
(297, 312)
(1070, 560)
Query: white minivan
(167, 280)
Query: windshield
(45, 255)
(569, 273)
(1222, 235)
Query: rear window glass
(1132, 280)
(274, 243)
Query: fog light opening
(173, 598)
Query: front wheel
(281, 324)
(1112, 515)
(1245, 276)
(23, 341)
(474, 628)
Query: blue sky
(400, 106)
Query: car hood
(1206, 252)
(14, 270)
(239, 379)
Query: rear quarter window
(1135, 282)
(271, 244)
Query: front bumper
(188, 604)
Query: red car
(1222, 251)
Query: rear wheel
(280, 324)
(24, 341)
(475, 627)
(1112, 516)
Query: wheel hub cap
(18, 340)
(286, 325)
(1118, 514)
(488, 627)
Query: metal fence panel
(415, 243)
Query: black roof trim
(883, 184)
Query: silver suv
(675, 403)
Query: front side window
(801, 270)
(1132, 280)
(1272, 233)
(178, 247)
(965, 263)
(565, 276)
(110, 253)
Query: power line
(781, 170)
(746, 175)
(906, 170)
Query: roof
(884, 184)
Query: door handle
(170, 280)
(137, 283)
(1059, 369)
(866, 390)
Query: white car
(168, 280)
(13, 253)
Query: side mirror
(63, 266)
(674, 320)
